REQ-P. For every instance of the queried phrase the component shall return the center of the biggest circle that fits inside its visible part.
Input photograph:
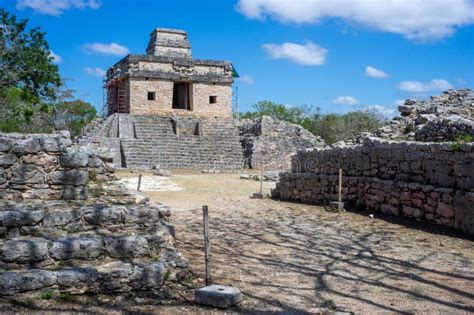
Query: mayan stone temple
(167, 80)
(167, 109)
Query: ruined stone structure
(86, 249)
(428, 181)
(270, 143)
(441, 118)
(41, 166)
(110, 241)
(168, 81)
(169, 110)
(145, 141)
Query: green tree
(294, 115)
(25, 60)
(69, 113)
(330, 127)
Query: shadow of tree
(292, 262)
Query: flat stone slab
(217, 296)
(336, 205)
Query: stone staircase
(182, 143)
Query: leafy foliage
(32, 96)
(330, 127)
(25, 60)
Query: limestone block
(76, 248)
(14, 282)
(115, 276)
(445, 210)
(148, 276)
(99, 215)
(20, 217)
(126, 246)
(54, 144)
(5, 144)
(31, 250)
(60, 217)
(27, 174)
(26, 146)
(7, 159)
(71, 177)
(74, 159)
(77, 280)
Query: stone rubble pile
(47, 166)
(442, 118)
(270, 143)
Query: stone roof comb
(169, 43)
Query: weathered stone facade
(40, 166)
(425, 181)
(167, 81)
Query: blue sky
(338, 55)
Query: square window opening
(212, 99)
(151, 96)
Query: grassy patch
(167, 275)
(65, 296)
(46, 295)
(189, 279)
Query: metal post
(139, 182)
(207, 249)
(340, 185)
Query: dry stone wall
(424, 181)
(47, 166)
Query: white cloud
(106, 49)
(345, 100)
(56, 58)
(385, 111)
(98, 72)
(375, 73)
(56, 7)
(418, 20)
(247, 79)
(420, 87)
(308, 54)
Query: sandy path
(299, 258)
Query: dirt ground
(296, 258)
